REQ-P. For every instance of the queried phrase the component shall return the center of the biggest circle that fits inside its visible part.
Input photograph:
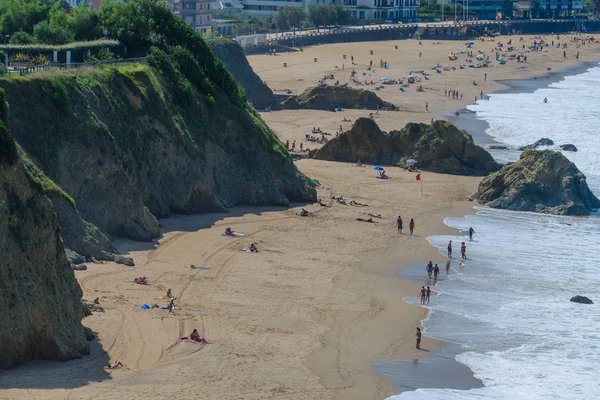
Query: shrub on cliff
(8, 148)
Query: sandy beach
(306, 316)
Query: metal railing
(24, 71)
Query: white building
(262, 8)
(383, 9)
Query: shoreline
(402, 371)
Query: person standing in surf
(463, 251)
(471, 232)
(423, 294)
(450, 249)
(436, 271)
(429, 269)
(428, 292)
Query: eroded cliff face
(129, 145)
(41, 311)
(231, 53)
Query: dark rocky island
(440, 147)
(328, 98)
(581, 300)
(543, 142)
(568, 147)
(541, 181)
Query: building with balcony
(548, 8)
(196, 13)
(263, 8)
(382, 9)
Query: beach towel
(194, 309)
(245, 250)
(200, 268)
(145, 306)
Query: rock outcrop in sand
(440, 147)
(328, 98)
(118, 148)
(541, 181)
(581, 300)
(41, 311)
(258, 93)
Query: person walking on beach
(423, 294)
(485, 76)
(426, 106)
(463, 251)
(411, 226)
(471, 232)
(436, 271)
(428, 294)
(172, 306)
(429, 269)
(399, 223)
(418, 338)
(450, 249)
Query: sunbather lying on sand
(375, 216)
(142, 280)
(340, 200)
(304, 213)
(366, 220)
(322, 204)
(195, 336)
(357, 204)
(229, 232)
(114, 365)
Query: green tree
(317, 15)
(281, 18)
(21, 38)
(342, 14)
(507, 7)
(44, 32)
(295, 16)
(535, 9)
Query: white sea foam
(509, 304)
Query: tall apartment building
(383, 9)
(196, 13)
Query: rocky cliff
(440, 147)
(258, 93)
(328, 98)
(41, 311)
(118, 148)
(541, 181)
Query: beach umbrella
(378, 168)
(411, 161)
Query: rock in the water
(540, 143)
(496, 147)
(568, 147)
(541, 181)
(581, 299)
(440, 147)
(328, 98)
